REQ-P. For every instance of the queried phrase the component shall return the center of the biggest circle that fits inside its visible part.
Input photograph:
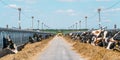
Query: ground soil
(93, 52)
(29, 51)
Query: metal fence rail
(19, 37)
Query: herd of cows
(9, 44)
(110, 39)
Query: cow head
(96, 32)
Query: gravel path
(59, 49)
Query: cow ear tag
(117, 45)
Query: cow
(40, 37)
(9, 44)
(36, 37)
(103, 38)
(97, 38)
(31, 40)
(75, 35)
(114, 41)
(84, 37)
(108, 34)
(72, 35)
(109, 39)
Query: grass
(93, 52)
(28, 51)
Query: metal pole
(70, 27)
(32, 22)
(99, 18)
(76, 25)
(73, 28)
(115, 27)
(7, 26)
(19, 9)
(80, 24)
(42, 26)
(38, 24)
(86, 22)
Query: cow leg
(104, 43)
(93, 41)
(109, 44)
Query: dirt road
(59, 49)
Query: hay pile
(93, 52)
(28, 52)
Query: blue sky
(59, 14)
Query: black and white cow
(31, 39)
(114, 41)
(75, 35)
(72, 35)
(108, 34)
(37, 37)
(102, 37)
(8, 44)
(97, 37)
(84, 37)
(105, 38)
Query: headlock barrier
(20, 37)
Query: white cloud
(27, 1)
(13, 6)
(28, 10)
(113, 10)
(72, 14)
(60, 11)
(69, 0)
(116, 9)
(107, 21)
(103, 0)
(65, 11)
(18, 0)
(68, 12)
(31, 1)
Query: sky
(60, 14)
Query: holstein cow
(114, 41)
(77, 36)
(40, 37)
(98, 36)
(37, 37)
(102, 37)
(84, 37)
(108, 34)
(72, 35)
(31, 40)
(8, 44)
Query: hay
(93, 52)
(29, 51)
